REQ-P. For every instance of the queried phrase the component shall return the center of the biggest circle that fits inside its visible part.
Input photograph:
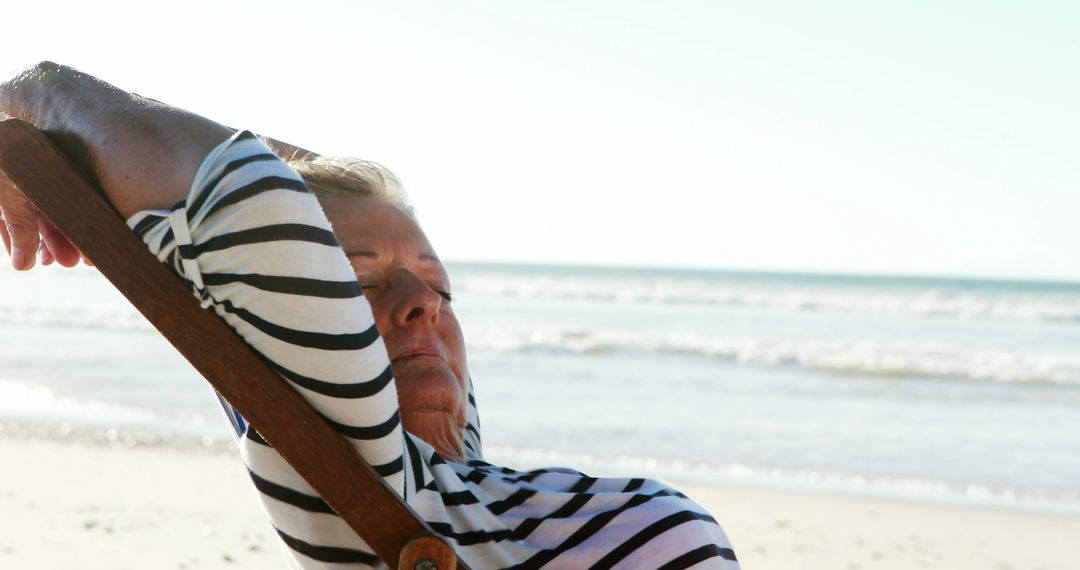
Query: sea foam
(847, 357)
(898, 298)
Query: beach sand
(92, 501)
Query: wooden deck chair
(328, 463)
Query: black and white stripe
(263, 256)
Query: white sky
(872, 137)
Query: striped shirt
(255, 246)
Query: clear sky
(910, 136)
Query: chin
(432, 402)
(430, 385)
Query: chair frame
(319, 454)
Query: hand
(27, 234)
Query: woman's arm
(242, 229)
(143, 153)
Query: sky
(885, 137)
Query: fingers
(44, 255)
(20, 223)
(4, 235)
(55, 245)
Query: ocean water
(934, 389)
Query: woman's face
(409, 292)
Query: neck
(443, 430)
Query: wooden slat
(281, 416)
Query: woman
(353, 308)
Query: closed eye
(446, 295)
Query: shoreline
(769, 479)
(104, 499)
(130, 437)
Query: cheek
(455, 342)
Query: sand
(75, 504)
(778, 530)
(89, 501)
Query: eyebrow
(361, 253)
(367, 253)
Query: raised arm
(143, 153)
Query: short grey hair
(345, 176)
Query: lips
(421, 351)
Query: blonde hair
(345, 176)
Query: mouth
(416, 352)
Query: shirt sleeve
(254, 245)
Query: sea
(945, 390)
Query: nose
(414, 301)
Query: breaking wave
(944, 299)
(840, 357)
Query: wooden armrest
(318, 453)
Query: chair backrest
(328, 463)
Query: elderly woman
(342, 293)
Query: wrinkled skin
(409, 292)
